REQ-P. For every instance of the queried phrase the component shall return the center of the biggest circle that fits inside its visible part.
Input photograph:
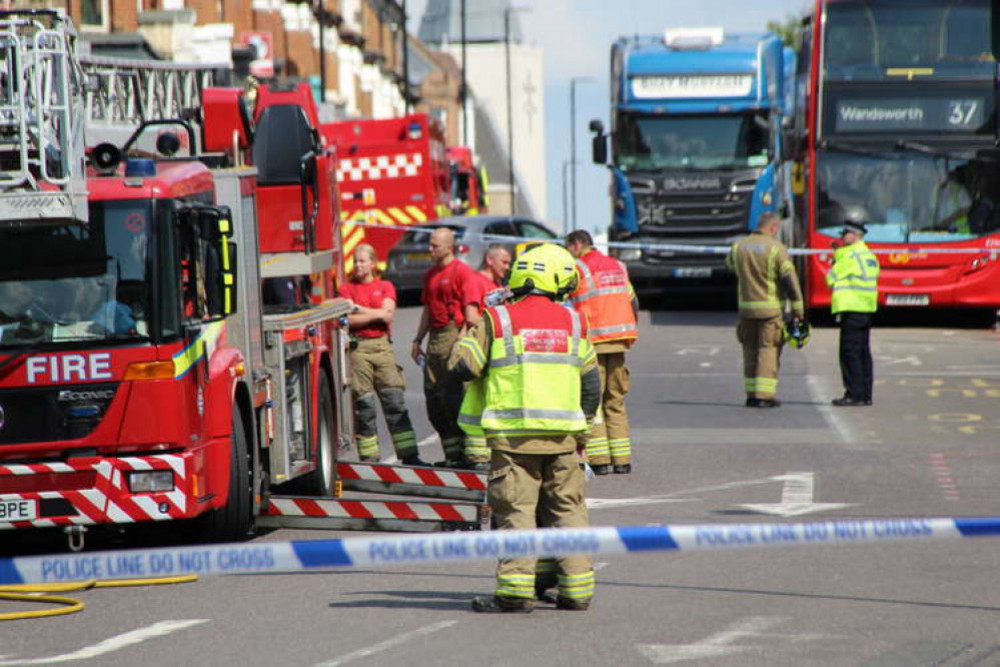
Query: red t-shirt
(444, 288)
(369, 295)
(476, 289)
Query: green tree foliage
(789, 30)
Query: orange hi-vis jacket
(605, 296)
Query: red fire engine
(143, 374)
(390, 172)
(468, 182)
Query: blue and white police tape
(300, 555)
(909, 249)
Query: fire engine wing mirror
(599, 144)
(215, 226)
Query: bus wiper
(842, 147)
(907, 145)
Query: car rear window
(423, 236)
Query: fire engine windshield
(908, 38)
(72, 282)
(910, 198)
(692, 142)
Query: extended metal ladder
(41, 119)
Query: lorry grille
(720, 212)
(47, 414)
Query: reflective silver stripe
(588, 277)
(618, 328)
(471, 420)
(575, 345)
(854, 288)
(861, 265)
(537, 358)
(507, 330)
(532, 413)
(604, 291)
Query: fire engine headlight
(150, 481)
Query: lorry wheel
(321, 481)
(234, 521)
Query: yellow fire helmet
(546, 269)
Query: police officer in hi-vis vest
(604, 296)
(542, 387)
(853, 278)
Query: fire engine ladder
(41, 119)
(125, 92)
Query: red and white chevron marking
(97, 489)
(355, 509)
(381, 166)
(404, 475)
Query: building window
(95, 15)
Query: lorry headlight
(629, 254)
(150, 481)
(765, 199)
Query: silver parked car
(409, 260)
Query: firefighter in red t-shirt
(375, 376)
(443, 318)
(485, 283)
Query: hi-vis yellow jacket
(540, 377)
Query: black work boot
(414, 460)
(569, 604)
(494, 604)
(623, 469)
(602, 469)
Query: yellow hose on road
(39, 593)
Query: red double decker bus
(897, 115)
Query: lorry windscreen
(691, 142)
(868, 40)
(77, 283)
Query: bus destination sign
(910, 114)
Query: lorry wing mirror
(599, 144)
(599, 148)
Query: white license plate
(693, 272)
(18, 510)
(908, 300)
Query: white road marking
(911, 360)
(823, 406)
(796, 497)
(706, 364)
(112, 644)
(388, 644)
(721, 644)
(604, 503)
(706, 350)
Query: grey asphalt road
(926, 448)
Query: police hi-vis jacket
(854, 279)
(540, 377)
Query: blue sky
(576, 38)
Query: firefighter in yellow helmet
(542, 387)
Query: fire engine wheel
(321, 482)
(234, 521)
